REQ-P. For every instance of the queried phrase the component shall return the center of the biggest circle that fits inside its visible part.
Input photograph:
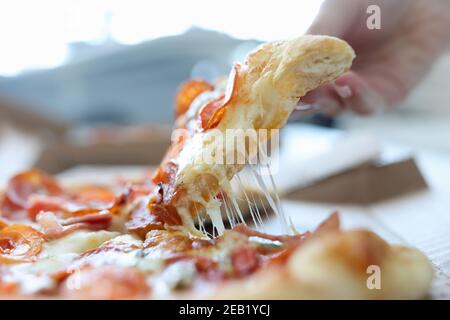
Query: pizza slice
(260, 95)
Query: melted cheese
(77, 242)
(56, 256)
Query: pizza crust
(334, 266)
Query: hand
(390, 61)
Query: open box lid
(16, 114)
(368, 183)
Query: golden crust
(279, 73)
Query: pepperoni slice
(245, 260)
(64, 207)
(175, 245)
(166, 173)
(27, 183)
(212, 112)
(165, 213)
(19, 243)
(38, 203)
(187, 93)
(84, 201)
(3, 223)
(147, 217)
(8, 288)
(249, 232)
(141, 221)
(106, 283)
(95, 196)
(88, 219)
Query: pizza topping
(95, 197)
(332, 223)
(57, 205)
(141, 221)
(281, 256)
(166, 214)
(33, 192)
(11, 211)
(27, 183)
(177, 276)
(55, 227)
(8, 286)
(159, 202)
(19, 243)
(3, 223)
(107, 282)
(158, 212)
(173, 244)
(188, 92)
(245, 260)
(165, 176)
(244, 229)
(132, 192)
(122, 250)
(212, 112)
(89, 200)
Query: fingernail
(343, 91)
(303, 107)
(305, 110)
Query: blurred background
(72, 70)
(121, 62)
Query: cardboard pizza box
(368, 183)
(28, 139)
(145, 148)
(14, 113)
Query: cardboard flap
(119, 146)
(61, 157)
(368, 183)
(15, 113)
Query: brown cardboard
(62, 156)
(65, 147)
(368, 183)
(18, 115)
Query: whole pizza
(163, 236)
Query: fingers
(346, 19)
(350, 92)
